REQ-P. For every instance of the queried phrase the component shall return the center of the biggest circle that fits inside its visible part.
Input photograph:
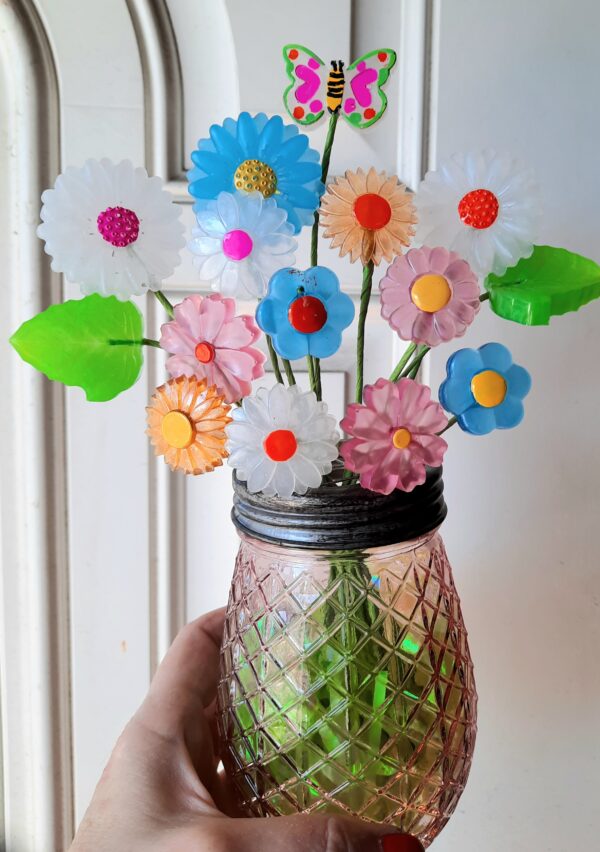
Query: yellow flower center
(488, 388)
(255, 176)
(430, 293)
(177, 430)
(401, 438)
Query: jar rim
(335, 517)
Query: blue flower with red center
(305, 312)
(484, 389)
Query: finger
(186, 680)
(317, 833)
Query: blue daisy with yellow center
(484, 389)
(259, 154)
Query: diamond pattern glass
(347, 684)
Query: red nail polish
(401, 843)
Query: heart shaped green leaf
(95, 343)
(550, 282)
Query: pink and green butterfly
(356, 92)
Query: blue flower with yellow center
(305, 312)
(484, 389)
(259, 154)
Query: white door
(101, 565)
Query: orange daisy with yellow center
(186, 424)
(370, 216)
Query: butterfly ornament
(356, 92)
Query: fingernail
(401, 843)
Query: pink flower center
(280, 445)
(205, 352)
(118, 226)
(478, 208)
(237, 245)
(307, 314)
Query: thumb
(306, 833)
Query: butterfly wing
(364, 99)
(304, 98)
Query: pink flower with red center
(207, 340)
(111, 229)
(393, 435)
(483, 205)
(429, 295)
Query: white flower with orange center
(482, 205)
(186, 424)
(111, 229)
(370, 216)
(282, 441)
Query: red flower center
(478, 208)
(307, 314)
(205, 352)
(372, 211)
(118, 226)
(280, 445)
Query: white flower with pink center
(240, 242)
(429, 295)
(209, 341)
(482, 205)
(111, 229)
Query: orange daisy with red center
(369, 216)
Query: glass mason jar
(347, 683)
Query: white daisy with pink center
(484, 206)
(240, 241)
(111, 229)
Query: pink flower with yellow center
(393, 435)
(207, 340)
(429, 295)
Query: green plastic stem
(365, 296)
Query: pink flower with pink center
(429, 295)
(207, 340)
(393, 435)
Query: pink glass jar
(347, 684)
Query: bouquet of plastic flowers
(463, 241)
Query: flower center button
(255, 176)
(205, 352)
(372, 211)
(479, 208)
(280, 445)
(430, 293)
(237, 245)
(401, 438)
(119, 226)
(307, 314)
(177, 429)
(488, 388)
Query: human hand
(162, 792)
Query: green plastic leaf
(95, 343)
(551, 282)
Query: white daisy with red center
(111, 229)
(241, 240)
(482, 205)
(282, 441)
